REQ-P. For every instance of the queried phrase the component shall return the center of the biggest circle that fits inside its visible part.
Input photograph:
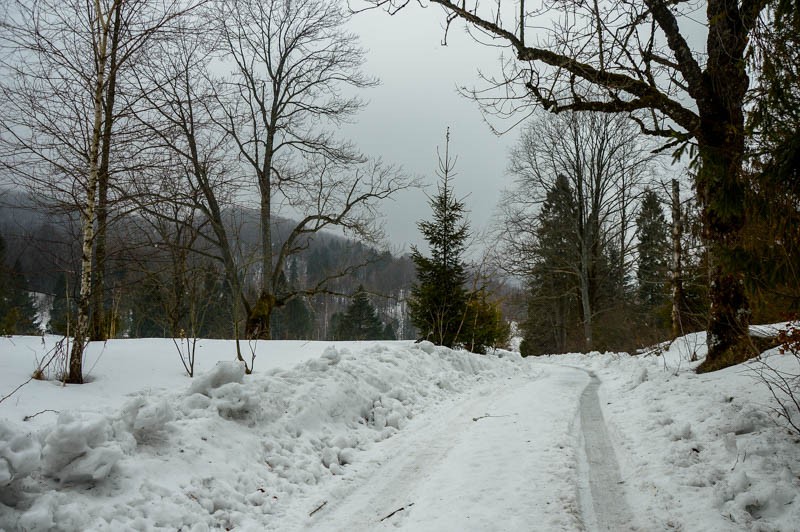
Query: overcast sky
(408, 114)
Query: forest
(150, 192)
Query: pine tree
(438, 301)
(654, 257)
(360, 321)
(18, 309)
(553, 303)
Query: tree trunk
(723, 218)
(677, 259)
(720, 185)
(258, 319)
(99, 330)
(258, 322)
(586, 296)
(88, 214)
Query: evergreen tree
(388, 332)
(360, 321)
(438, 301)
(5, 281)
(772, 239)
(294, 320)
(654, 257)
(553, 303)
(484, 327)
(17, 309)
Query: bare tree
(638, 58)
(61, 67)
(604, 164)
(295, 66)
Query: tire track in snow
(600, 492)
(392, 485)
(464, 470)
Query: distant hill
(47, 244)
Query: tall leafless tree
(296, 67)
(605, 165)
(640, 58)
(61, 64)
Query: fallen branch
(396, 511)
(318, 508)
(28, 418)
(489, 415)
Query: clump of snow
(19, 453)
(144, 418)
(79, 450)
(224, 372)
(227, 450)
(681, 432)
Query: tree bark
(258, 319)
(88, 215)
(720, 185)
(100, 329)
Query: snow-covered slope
(387, 435)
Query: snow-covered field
(391, 435)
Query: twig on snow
(396, 511)
(489, 415)
(28, 418)
(318, 508)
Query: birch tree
(61, 65)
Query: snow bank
(229, 451)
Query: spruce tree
(360, 321)
(553, 302)
(5, 281)
(438, 301)
(654, 253)
(18, 309)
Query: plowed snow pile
(142, 446)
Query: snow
(391, 435)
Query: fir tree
(654, 254)
(17, 310)
(553, 303)
(438, 302)
(360, 321)
(5, 281)
(294, 320)
(388, 332)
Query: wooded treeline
(716, 86)
(612, 253)
(156, 290)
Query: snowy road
(509, 458)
